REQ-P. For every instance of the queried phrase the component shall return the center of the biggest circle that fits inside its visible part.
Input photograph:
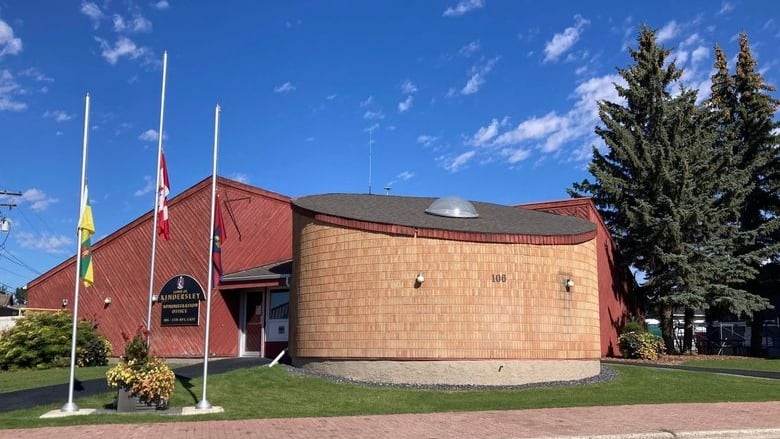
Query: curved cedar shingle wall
(355, 297)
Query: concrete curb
(753, 433)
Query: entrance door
(252, 328)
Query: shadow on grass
(186, 383)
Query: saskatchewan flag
(87, 229)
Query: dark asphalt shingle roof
(274, 270)
(410, 211)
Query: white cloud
(57, 115)
(287, 87)
(161, 5)
(52, 244)
(373, 115)
(469, 49)
(136, 24)
(514, 155)
(549, 133)
(35, 74)
(9, 44)
(8, 88)
(426, 140)
(473, 84)
(148, 187)
(485, 134)
(408, 87)
(368, 101)
(123, 47)
(37, 199)
(666, 33)
(463, 7)
(406, 104)
(92, 11)
(239, 177)
(533, 128)
(331, 97)
(680, 57)
(725, 7)
(691, 41)
(405, 175)
(149, 135)
(309, 139)
(459, 162)
(562, 42)
(700, 53)
(477, 79)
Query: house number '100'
(499, 278)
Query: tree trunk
(756, 330)
(667, 328)
(687, 347)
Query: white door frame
(242, 325)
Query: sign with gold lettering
(180, 301)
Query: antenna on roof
(370, 143)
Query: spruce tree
(664, 190)
(745, 112)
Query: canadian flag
(162, 201)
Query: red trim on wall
(409, 359)
(451, 235)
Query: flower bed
(142, 375)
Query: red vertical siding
(616, 299)
(258, 226)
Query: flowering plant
(141, 374)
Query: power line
(18, 261)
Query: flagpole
(204, 404)
(71, 406)
(156, 198)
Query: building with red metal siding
(258, 226)
(250, 306)
(617, 300)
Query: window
(280, 305)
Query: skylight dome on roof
(452, 207)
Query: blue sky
(489, 100)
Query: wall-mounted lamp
(568, 283)
(107, 300)
(419, 279)
(64, 302)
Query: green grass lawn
(264, 392)
(761, 364)
(28, 379)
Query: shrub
(142, 374)
(43, 340)
(633, 325)
(640, 345)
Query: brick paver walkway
(556, 422)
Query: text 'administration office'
(374, 287)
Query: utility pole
(4, 225)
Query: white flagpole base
(203, 404)
(70, 407)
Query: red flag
(218, 239)
(162, 202)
